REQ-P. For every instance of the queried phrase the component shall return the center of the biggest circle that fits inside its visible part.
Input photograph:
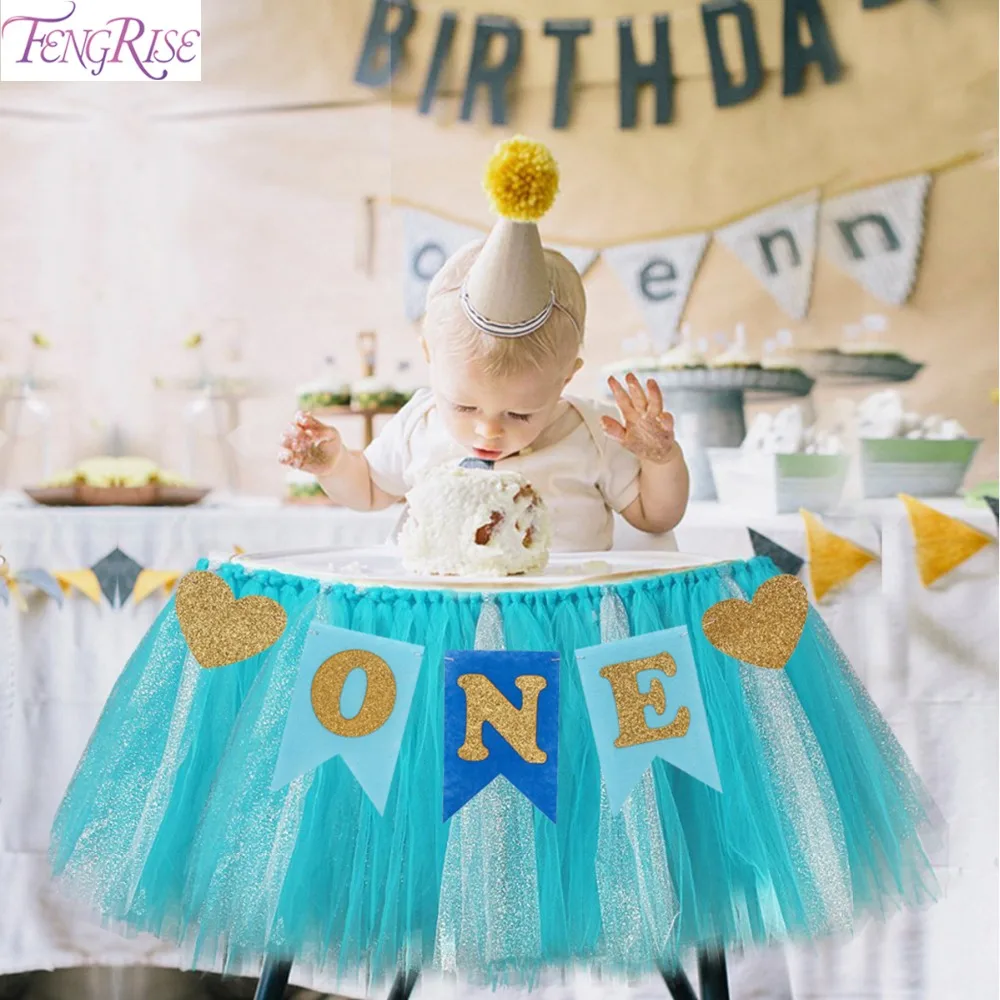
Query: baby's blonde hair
(554, 346)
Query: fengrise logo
(73, 41)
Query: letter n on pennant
(501, 717)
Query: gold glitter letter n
(518, 726)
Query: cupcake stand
(634, 799)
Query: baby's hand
(648, 432)
(310, 445)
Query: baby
(497, 394)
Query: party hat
(507, 292)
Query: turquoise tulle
(170, 825)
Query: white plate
(383, 567)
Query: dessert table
(929, 657)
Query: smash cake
(474, 522)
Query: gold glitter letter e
(631, 702)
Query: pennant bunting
(787, 562)
(429, 241)
(83, 580)
(351, 700)
(659, 275)
(778, 245)
(874, 235)
(644, 702)
(44, 581)
(117, 573)
(833, 560)
(994, 505)
(501, 717)
(943, 543)
(149, 581)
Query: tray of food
(111, 481)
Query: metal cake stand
(834, 367)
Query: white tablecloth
(929, 657)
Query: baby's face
(493, 417)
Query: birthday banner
(874, 235)
(492, 71)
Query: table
(929, 658)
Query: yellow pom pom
(522, 179)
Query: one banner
(787, 562)
(501, 717)
(779, 246)
(875, 235)
(833, 560)
(659, 275)
(645, 702)
(429, 241)
(351, 699)
(943, 543)
(117, 573)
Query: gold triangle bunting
(149, 581)
(942, 542)
(832, 560)
(84, 580)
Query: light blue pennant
(371, 757)
(623, 766)
(44, 581)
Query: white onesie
(581, 473)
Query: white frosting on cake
(474, 522)
(736, 354)
(684, 355)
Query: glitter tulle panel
(126, 824)
(170, 824)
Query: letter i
(152, 45)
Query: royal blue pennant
(501, 717)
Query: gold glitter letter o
(328, 686)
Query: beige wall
(121, 231)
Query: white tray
(383, 567)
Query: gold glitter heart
(764, 631)
(220, 629)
